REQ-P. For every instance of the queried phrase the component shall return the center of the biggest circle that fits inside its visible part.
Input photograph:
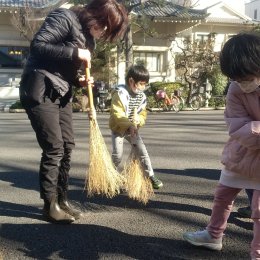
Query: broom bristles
(138, 186)
(102, 176)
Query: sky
(238, 5)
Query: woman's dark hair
(240, 56)
(137, 73)
(107, 14)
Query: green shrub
(218, 81)
(217, 101)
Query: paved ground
(185, 150)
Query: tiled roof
(28, 3)
(151, 8)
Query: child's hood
(124, 97)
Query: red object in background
(160, 94)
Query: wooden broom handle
(90, 92)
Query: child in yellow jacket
(127, 114)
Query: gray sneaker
(204, 239)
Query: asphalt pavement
(185, 150)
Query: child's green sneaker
(157, 184)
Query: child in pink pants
(240, 61)
(223, 202)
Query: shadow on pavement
(86, 242)
(9, 209)
(209, 174)
(29, 179)
(20, 178)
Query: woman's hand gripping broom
(102, 177)
(138, 186)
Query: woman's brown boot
(66, 206)
(55, 214)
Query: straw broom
(138, 186)
(102, 177)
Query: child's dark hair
(137, 73)
(240, 56)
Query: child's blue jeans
(138, 148)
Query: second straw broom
(138, 186)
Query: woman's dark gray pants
(52, 123)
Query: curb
(188, 109)
(11, 110)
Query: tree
(196, 62)
(102, 62)
(26, 21)
(140, 22)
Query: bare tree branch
(26, 22)
(196, 61)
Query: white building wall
(238, 5)
(252, 9)
(220, 39)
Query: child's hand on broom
(133, 130)
(136, 120)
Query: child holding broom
(124, 125)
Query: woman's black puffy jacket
(54, 48)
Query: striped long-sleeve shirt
(134, 102)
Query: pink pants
(222, 206)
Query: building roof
(28, 3)
(169, 10)
(149, 8)
(234, 17)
